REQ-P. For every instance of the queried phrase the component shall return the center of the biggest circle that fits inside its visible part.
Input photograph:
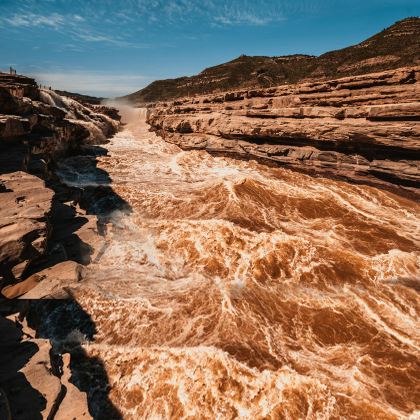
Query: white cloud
(94, 37)
(73, 25)
(249, 13)
(53, 20)
(244, 19)
(93, 83)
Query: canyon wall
(395, 47)
(38, 216)
(45, 240)
(360, 128)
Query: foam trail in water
(238, 290)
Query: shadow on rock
(19, 400)
(69, 327)
(91, 186)
(75, 226)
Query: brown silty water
(236, 290)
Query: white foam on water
(238, 290)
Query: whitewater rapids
(236, 290)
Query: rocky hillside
(365, 128)
(396, 46)
(84, 99)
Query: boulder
(26, 203)
(52, 283)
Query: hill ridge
(394, 47)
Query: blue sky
(112, 47)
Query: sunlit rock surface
(25, 203)
(394, 47)
(360, 127)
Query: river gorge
(233, 288)
(243, 243)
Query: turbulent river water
(237, 290)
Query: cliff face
(354, 127)
(37, 128)
(45, 239)
(394, 47)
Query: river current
(237, 290)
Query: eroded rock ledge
(46, 237)
(357, 127)
(44, 233)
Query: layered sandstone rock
(354, 127)
(45, 239)
(34, 378)
(37, 126)
(42, 224)
(25, 204)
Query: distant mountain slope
(396, 46)
(93, 100)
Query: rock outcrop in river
(362, 127)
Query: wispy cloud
(72, 25)
(246, 18)
(234, 12)
(116, 41)
(159, 12)
(53, 20)
(120, 23)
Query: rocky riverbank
(43, 229)
(47, 236)
(362, 128)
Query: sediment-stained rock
(356, 127)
